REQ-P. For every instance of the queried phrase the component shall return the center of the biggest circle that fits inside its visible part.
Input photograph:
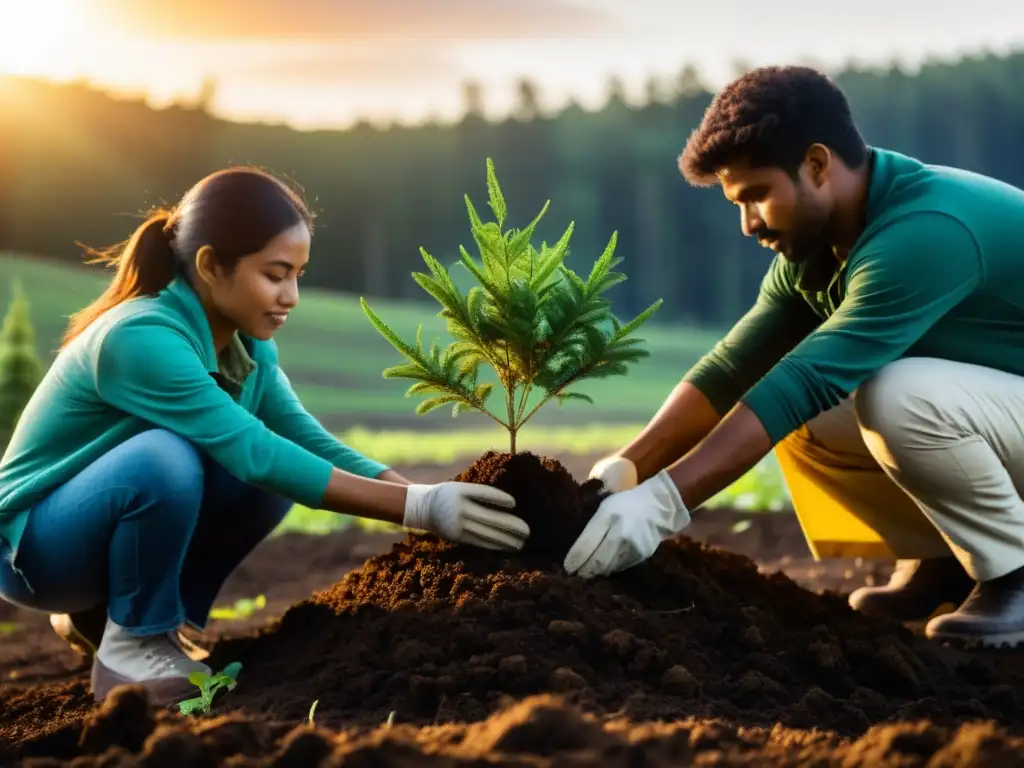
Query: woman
(165, 442)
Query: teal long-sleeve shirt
(937, 272)
(150, 363)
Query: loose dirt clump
(537, 732)
(547, 497)
(479, 658)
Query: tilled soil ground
(433, 654)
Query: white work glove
(628, 527)
(454, 512)
(617, 473)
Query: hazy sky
(324, 62)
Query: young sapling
(540, 326)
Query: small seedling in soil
(242, 609)
(537, 323)
(208, 686)
(312, 709)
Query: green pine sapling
(532, 319)
(21, 368)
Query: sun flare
(40, 37)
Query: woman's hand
(459, 512)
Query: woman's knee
(163, 464)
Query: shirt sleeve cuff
(782, 402)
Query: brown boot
(916, 590)
(991, 617)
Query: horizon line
(567, 101)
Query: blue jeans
(152, 530)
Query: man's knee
(902, 406)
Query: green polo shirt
(937, 272)
(150, 363)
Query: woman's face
(257, 296)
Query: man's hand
(457, 512)
(628, 527)
(616, 472)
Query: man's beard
(801, 250)
(809, 239)
(796, 249)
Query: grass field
(760, 490)
(335, 357)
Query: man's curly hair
(770, 117)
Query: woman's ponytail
(146, 263)
(234, 211)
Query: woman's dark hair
(770, 117)
(236, 211)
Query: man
(883, 360)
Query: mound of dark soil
(505, 660)
(434, 632)
(547, 497)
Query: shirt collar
(235, 363)
(817, 273)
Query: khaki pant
(927, 457)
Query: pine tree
(537, 323)
(21, 369)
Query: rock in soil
(484, 658)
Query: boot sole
(909, 617)
(162, 693)
(1008, 640)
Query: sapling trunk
(513, 428)
(533, 320)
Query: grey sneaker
(84, 631)
(158, 663)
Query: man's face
(790, 217)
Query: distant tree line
(77, 164)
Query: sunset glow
(313, 63)
(42, 37)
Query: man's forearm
(682, 422)
(732, 448)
